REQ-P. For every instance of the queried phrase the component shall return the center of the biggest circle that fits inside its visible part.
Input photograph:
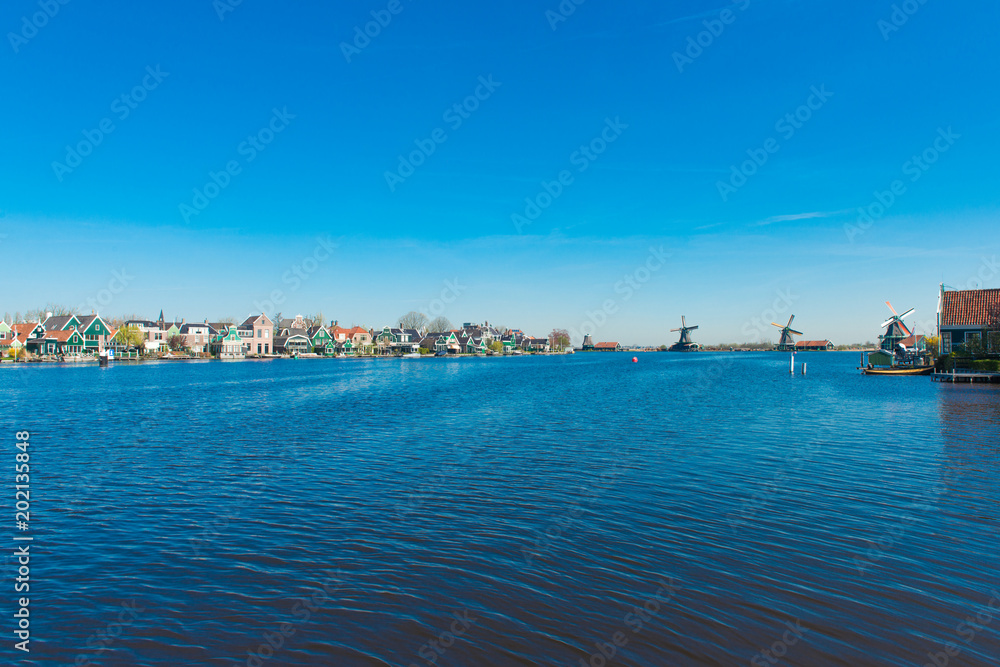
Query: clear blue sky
(886, 94)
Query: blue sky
(664, 131)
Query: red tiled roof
(24, 327)
(60, 336)
(969, 308)
(812, 343)
(607, 345)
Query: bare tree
(559, 338)
(439, 324)
(413, 320)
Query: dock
(966, 376)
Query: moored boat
(899, 370)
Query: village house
(608, 347)
(813, 345)
(152, 331)
(256, 332)
(197, 336)
(321, 341)
(398, 341)
(968, 316)
(297, 342)
(228, 346)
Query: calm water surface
(506, 512)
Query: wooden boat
(900, 370)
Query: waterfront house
(12, 345)
(321, 341)
(813, 346)
(535, 345)
(152, 331)
(228, 346)
(297, 342)
(61, 322)
(967, 316)
(299, 323)
(28, 331)
(63, 342)
(338, 333)
(256, 332)
(170, 329)
(608, 347)
(5, 331)
(398, 341)
(197, 336)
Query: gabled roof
(253, 319)
(86, 321)
(58, 322)
(60, 335)
(812, 343)
(193, 325)
(24, 327)
(969, 308)
(601, 346)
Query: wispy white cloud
(793, 217)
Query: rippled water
(507, 512)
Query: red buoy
(635, 360)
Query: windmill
(787, 332)
(895, 329)
(685, 344)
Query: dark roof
(184, 327)
(57, 322)
(969, 308)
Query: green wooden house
(322, 342)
